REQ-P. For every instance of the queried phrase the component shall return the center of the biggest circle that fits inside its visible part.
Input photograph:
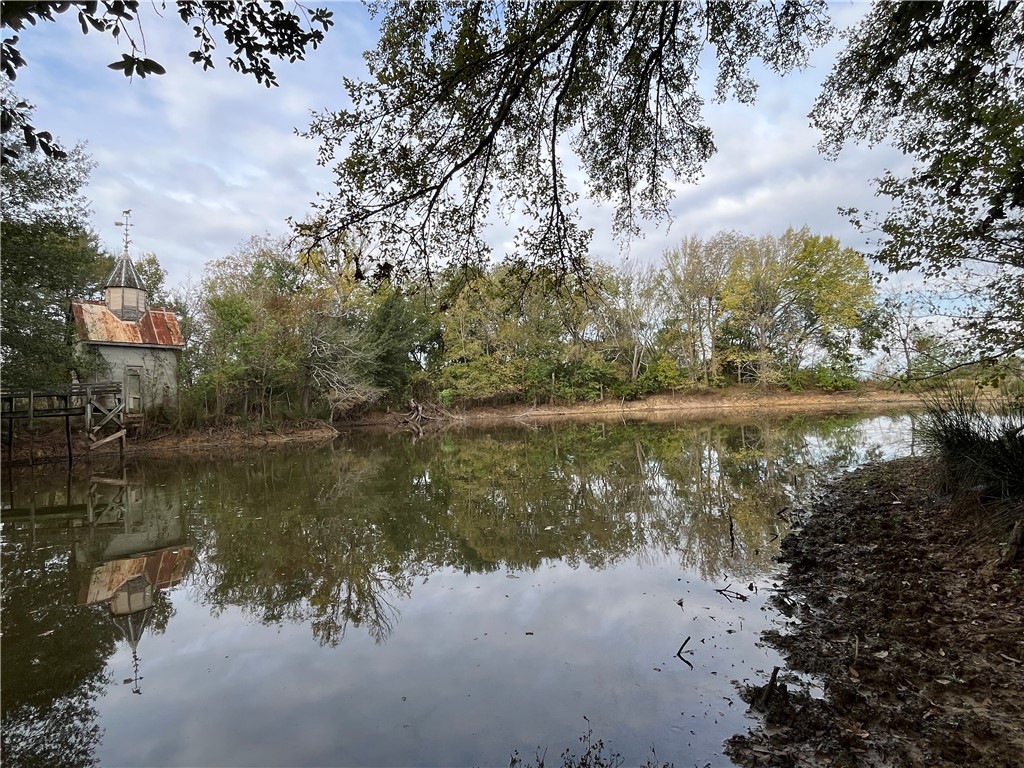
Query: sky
(206, 160)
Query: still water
(385, 601)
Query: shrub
(836, 378)
(980, 440)
(799, 380)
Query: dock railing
(101, 404)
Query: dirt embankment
(900, 609)
(713, 404)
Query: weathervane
(127, 225)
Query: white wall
(158, 369)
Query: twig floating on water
(731, 594)
(679, 653)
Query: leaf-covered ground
(900, 610)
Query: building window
(133, 390)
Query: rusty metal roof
(98, 325)
(164, 568)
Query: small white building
(133, 342)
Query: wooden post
(32, 513)
(88, 410)
(31, 424)
(67, 433)
(10, 484)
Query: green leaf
(152, 67)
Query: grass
(979, 439)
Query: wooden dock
(100, 404)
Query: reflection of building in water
(126, 585)
(127, 539)
(126, 519)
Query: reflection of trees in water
(54, 659)
(336, 538)
(303, 548)
(706, 495)
(362, 592)
(729, 484)
(60, 534)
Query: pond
(389, 601)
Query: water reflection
(73, 585)
(337, 540)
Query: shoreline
(48, 445)
(894, 600)
(711, 404)
(899, 607)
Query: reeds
(980, 439)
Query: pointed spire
(126, 296)
(124, 274)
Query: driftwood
(767, 691)
(419, 413)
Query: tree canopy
(254, 31)
(942, 82)
(470, 109)
(49, 257)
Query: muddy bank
(899, 608)
(49, 446)
(733, 402)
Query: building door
(133, 390)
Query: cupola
(126, 296)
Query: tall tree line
(278, 331)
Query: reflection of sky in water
(459, 682)
(881, 438)
(481, 663)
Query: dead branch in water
(731, 594)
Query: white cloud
(207, 159)
(203, 159)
